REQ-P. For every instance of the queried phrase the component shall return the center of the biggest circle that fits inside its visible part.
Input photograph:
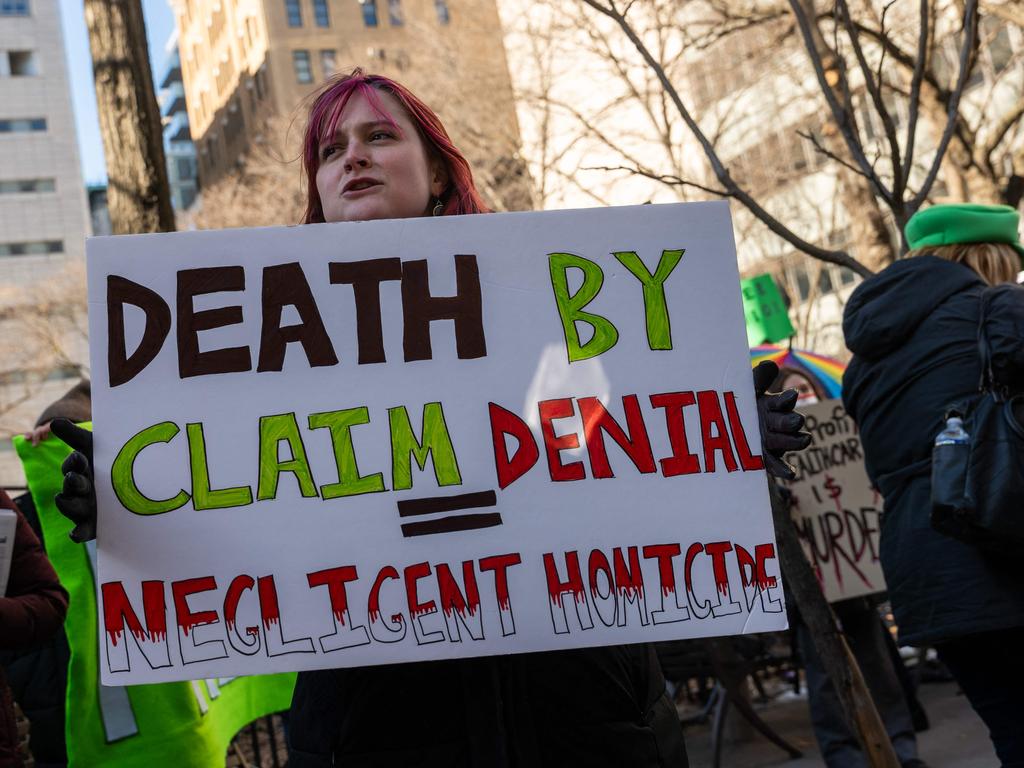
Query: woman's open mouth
(358, 186)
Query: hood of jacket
(885, 310)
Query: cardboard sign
(765, 311)
(835, 508)
(377, 442)
(8, 529)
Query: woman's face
(368, 170)
(805, 391)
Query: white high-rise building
(43, 223)
(43, 213)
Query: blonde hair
(995, 262)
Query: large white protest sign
(379, 442)
(835, 509)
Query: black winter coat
(594, 707)
(913, 331)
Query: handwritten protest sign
(835, 509)
(378, 442)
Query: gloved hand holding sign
(77, 500)
(780, 425)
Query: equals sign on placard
(416, 507)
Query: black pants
(990, 669)
(866, 636)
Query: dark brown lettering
(286, 284)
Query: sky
(159, 25)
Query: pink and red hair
(460, 196)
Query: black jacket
(594, 707)
(913, 331)
(38, 677)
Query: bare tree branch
(842, 115)
(874, 89)
(966, 59)
(915, 89)
(667, 179)
(821, 149)
(734, 190)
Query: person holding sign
(373, 150)
(914, 331)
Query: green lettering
(350, 482)
(204, 497)
(122, 473)
(436, 443)
(570, 308)
(274, 429)
(659, 331)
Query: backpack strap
(988, 377)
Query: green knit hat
(964, 223)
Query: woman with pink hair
(373, 150)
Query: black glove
(780, 425)
(77, 501)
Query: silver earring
(438, 207)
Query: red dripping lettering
(628, 580)
(500, 565)
(574, 583)
(711, 416)
(413, 574)
(664, 554)
(117, 610)
(238, 585)
(180, 590)
(373, 601)
(716, 550)
(681, 462)
(748, 461)
(270, 611)
(452, 598)
(334, 579)
(503, 423)
(597, 421)
(554, 444)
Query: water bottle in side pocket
(951, 506)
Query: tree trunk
(137, 193)
(861, 715)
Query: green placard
(765, 311)
(184, 725)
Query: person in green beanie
(913, 330)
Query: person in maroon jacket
(31, 610)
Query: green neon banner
(184, 725)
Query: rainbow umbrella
(826, 371)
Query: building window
(395, 13)
(23, 125)
(292, 9)
(261, 84)
(441, 6)
(328, 62)
(186, 167)
(26, 185)
(369, 12)
(18, 64)
(303, 71)
(320, 13)
(14, 8)
(32, 248)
